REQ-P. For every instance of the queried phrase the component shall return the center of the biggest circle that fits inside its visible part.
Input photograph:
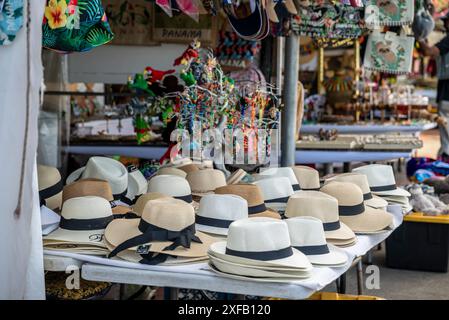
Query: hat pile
(245, 256)
(276, 192)
(383, 184)
(205, 181)
(308, 178)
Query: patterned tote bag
(11, 20)
(389, 12)
(75, 25)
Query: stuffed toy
(426, 203)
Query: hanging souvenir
(165, 5)
(328, 20)
(389, 12)
(11, 20)
(389, 53)
(75, 25)
(190, 8)
(233, 51)
(423, 24)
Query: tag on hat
(143, 249)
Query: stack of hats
(50, 187)
(353, 212)
(324, 208)
(165, 233)
(245, 256)
(276, 192)
(383, 184)
(308, 178)
(277, 173)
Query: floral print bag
(75, 25)
(11, 20)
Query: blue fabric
(11, 20)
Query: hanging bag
(389, 12)
(75, 25)
(11, 20)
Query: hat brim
(269, 213)
(344, 233)
(376, 202)
(276, 206)
(296, 261)
(212, 230)
(343, 243)
(201, 194)
(54, 202)
(75, 175)
(89, 237)
(120, 230)
(335, 257)
(236, 177)
(395, 192)
(121, 209)
(370, 220)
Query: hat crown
(137, 184)
(143, 199)
(206, 180)
(250, 192)
(88, 207)
(274, 188)
(47, 176)
(377, 174)
(223, 206)
(357, 178)
(308, 178)
(306, 231)
(347, 194)
(279, 172)
(87, 187)
(313, 203)
(169, 214)
(245, 235)
(174, 186)
(171, 171)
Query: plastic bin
(339, 296)
(420, 243)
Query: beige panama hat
(352, 210)
(244, 245)
(308, 178)
(50, 187)
(276, 192)
(189, 168)
(140, 204)
(323, 207)
(253, 196)
(362, 182)
(107, 169)
(381, 180)
(83, 221)
(218, 211)
(171, 171)
(279, 172)
(205, 181)
(307, 235)
(167, 226)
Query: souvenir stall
(177, 152)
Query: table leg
(346, 167)
(342, 284)
(359, 277)
(122, 291)
(328, 168)
(174, 293)
(369, 258)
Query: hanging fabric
(75, 25)
(11, 20)
(389, 53)
(389, 12)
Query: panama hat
(307, 235)
(244, 245)
(308, 178)
(205, 181)
(323, 207)
(352, 210)
(50, 186)
(189, 168)
(170, 185)
(167, 226)
(171, 171)
(276, 192)
(253, 196)
(179, 162)
(381, 180)
(140, 204)
(218, 211)
(83, 221)
(238, 176)
(137, 185)
(362, 182)
(279, 172)
(107, 169)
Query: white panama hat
(276, 192)
(279, 172)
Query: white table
(199, 276)
(368, 128)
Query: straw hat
(244, 245)
(167, 226)
(323, 207)
(189, 168)
(50, 187)
(307, 235)
(362, 182)
(279, 172)
(238, 176)
(107, 169)
(381, 180)
(276, 192)
(253, 195)
(205, 181)
(352, 210)
(171, 171)
(83, 221)
(137, 185)
(140, 204)
(170, 185)
(218, 211)
(308, 178)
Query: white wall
(114, 64)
